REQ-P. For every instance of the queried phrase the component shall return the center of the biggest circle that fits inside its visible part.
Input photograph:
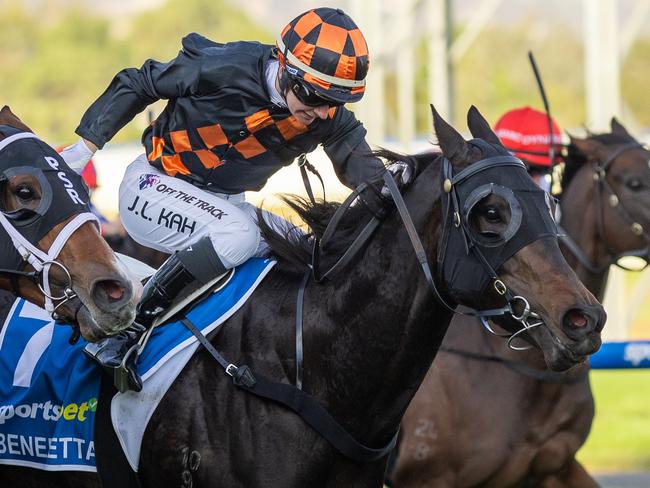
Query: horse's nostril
(113, 289)
(577, 318)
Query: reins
(517, 367)
(294, 397)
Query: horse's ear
(451, 142)
(619, 130)
(7, 117)
(589, 147)
(479, 127)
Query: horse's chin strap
(42, 261)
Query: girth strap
(303, 404)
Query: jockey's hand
(402, 174)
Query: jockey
(525, 132)
(236, 113)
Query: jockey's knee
(234, 248)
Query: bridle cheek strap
(42, 261)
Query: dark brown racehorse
(101, 295)
(369, 337)
(486, 415)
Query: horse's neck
(580, 221)
(388, 328)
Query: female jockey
(236, 113)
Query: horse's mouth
(92, 331)
(561, 353)
(96, 323)
(88, 328)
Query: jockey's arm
(132, 90)
(349, 152)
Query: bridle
(42, 262)
(603, 187)
(35, 224)
(528, 318)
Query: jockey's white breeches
(168, 214)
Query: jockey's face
(305, 114)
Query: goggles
(310, 97)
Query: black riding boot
(178, 278)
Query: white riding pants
(169, 214)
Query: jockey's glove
(402, 174)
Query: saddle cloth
(49, 388)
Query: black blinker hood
(468, 260)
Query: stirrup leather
(124, 377)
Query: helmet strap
(284, 81)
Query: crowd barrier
(622, 355)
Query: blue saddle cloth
(49, 388)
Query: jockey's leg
(207, 233)
(276, 222)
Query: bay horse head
(612, 170)
(503, 245)
(52, 252)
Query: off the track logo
(148, 180)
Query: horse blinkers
(483, 222)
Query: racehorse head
(610, 173)
(500, 244)
(51, 239)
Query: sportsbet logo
(47, 411)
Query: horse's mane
(575, 158)
(294, 249)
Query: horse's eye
(634, 184)
(25, 192)
(492, 215)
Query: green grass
(620, 435)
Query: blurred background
(57, 56)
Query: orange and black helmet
(325, 56)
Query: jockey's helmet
(525, 132)
(324, 58)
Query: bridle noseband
(42, 262)
(602, 186)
